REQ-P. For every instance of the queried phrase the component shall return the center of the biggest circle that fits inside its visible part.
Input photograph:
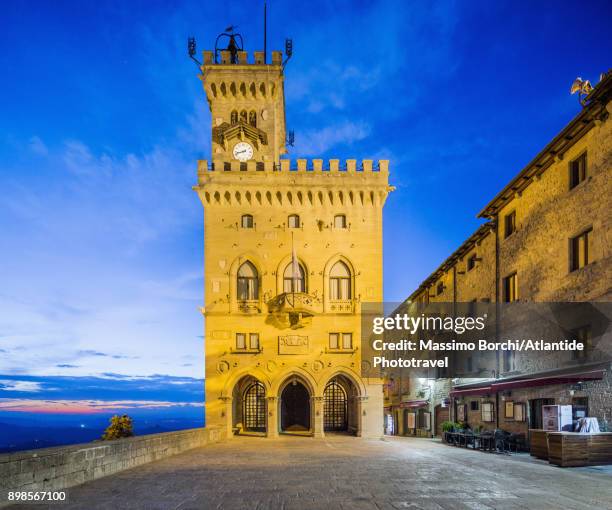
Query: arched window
(234, 117)
(253, 118)
(340, 281)
(293, 221)
(248, 282)
(246, 221)
(294, 279)
(339, 221)
(254, 410)
(243, 116)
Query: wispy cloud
(20, 386)
(315, 142)
(85, 406)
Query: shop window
(509, 224)
(580, 251)
(510, 288)
(487, 413)
(293, 221)
(340, 221)
(584, 336)
(577, 170)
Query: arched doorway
(340, 405)
(335, 415)
(254, 408)
(295, 407)
(249, 405)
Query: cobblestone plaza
(343, 472)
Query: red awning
(414, 403)
(549, 380)
(545, 380)
(480, 390)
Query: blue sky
(103, 119)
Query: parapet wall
(299, 165)
(242, 57)
(65, 466)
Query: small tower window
(293, 221)
(243, 116)
(340, 221)
(234, 117)
(253, 118)
(246, 221)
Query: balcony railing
(292, 302)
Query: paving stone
(343, 472)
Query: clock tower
(247, 105)
(291, 251)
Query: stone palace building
(292, 249)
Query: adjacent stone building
(292, 249)
(547, 238)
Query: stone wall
(65, 466)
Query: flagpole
(292, 270)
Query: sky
(102, 119)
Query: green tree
(120, 426)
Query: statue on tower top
(234, 45)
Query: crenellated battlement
(298, 166)
(244, 58)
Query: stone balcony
(292, 309)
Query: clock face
(243, 151)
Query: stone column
(318, 416)
(226, 415)
(272, 423)
(361, 404)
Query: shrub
(449, 426)
(120, 426)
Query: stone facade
(292, 249)
(549, 211)
(52, 469)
